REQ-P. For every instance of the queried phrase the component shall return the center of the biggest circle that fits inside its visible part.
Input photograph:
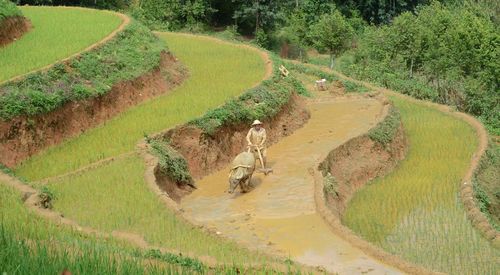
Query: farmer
(256, 138)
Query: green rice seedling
(56, 34)
(218, 72)
(415, 212)
(115, 197)
(31, 245)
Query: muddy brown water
(279, 214)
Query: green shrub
(46, 197)
(172, 15)
(261, 102)
(386, 130)
(171, 163)
(130, 54)
(352, 87)
(330, 186)
(486, 183)
(178, 260)
(446, 54)
(8, 9)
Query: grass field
(56, 34)
(415, 212)
(217, 72)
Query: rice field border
(125, 22)
(476, 217)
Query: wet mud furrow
(279, 214)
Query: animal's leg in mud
(245, 185)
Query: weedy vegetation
(8, 9)
(386, 130)
(171, 163)
(486, 183)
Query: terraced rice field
(56, 34)
(415, 212)
(115, 196)
(217, 72)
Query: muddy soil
(279, 214)
(23, 137)
(12, 28)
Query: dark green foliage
(130, 54)
(445, 54)
(332, 34)
(46, 197)
(172, 14)
(179, 260)
(6, 170)
(352, 87)
(100, 4)
(261, 103)
(8, 9)
(172, 164)
(386, 130)
(487, 185)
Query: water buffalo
(241, 173)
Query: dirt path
(280, 215)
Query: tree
(256, 14)
(332, 34)
(296, 31)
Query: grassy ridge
(217, 72)
(133, 52)
(8, 9)
(57, 33)
(419, 215)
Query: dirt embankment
(12, 28)
(356, 163)
(206, 154)
(23, 136)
